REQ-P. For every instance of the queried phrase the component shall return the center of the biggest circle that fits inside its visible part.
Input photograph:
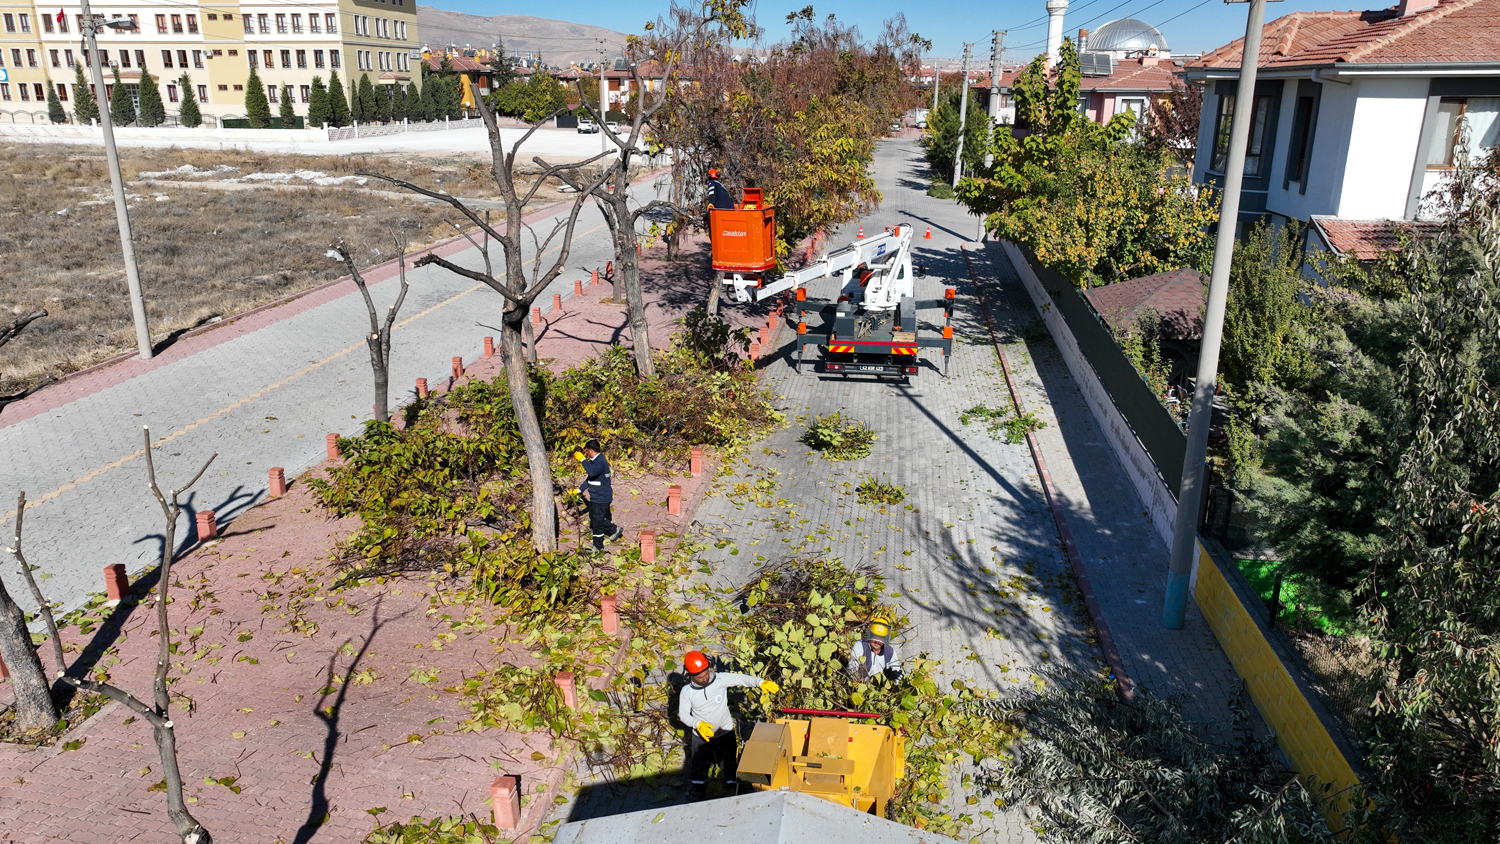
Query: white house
(1356, 113)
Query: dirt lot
(236, 231)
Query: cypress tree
(257, 109)
(364, 111)
(188, 115)
(455, 97)
(153, 113)
(429, 98)
(413, 102)
(55, 111)
(398, 103)
(121, 107)
(85, 107)
(338, 107)
(318, 113)
(288, 108)
(383, 105)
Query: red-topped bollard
(458, 368)
(505, 794)
(276, 480)
(536, 315)
(577, 287)
(421, 388)
(594, 279)
(333, 446)
(695, 461)
(754, 350)
(556, 301)
(208, 525)
(648, 546)
(569, 688)
(771, 322)
(116, 584)
(489, 347)
(765, 337)
(674, 500)
(609, 616)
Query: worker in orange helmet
(703, 706)
(718, 195)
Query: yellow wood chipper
(845, 761)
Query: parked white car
(613, 126)
(587, 126)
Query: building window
(62, 92)
(250, 56)
(305, 92)
(312, 24)
(229, 16)
(281, 23)
(297, 24)
(182, 58)
(31, 58)
(177, 24)
(5, 91)
(135, 24)
(68, 57)
(331, 22)
(237, 87)
(271, 94)
(318, 59)
(270, 59)
(166, 58)
(25, 92)
(10, 26)
(265, 24)
(55, 57)
(1254, 150)
(25, 22)
(62, 24)
(203, 93)
(214, 17)
(1301, 147)
(192, 21)
(172, 93)
(15, 56)
(140, 59)
(286, 58)
(249, 25)
(1478, 114)
(302, 59)
(41, 93)
(47, 23)
(335, 59)
(223, 87)
(198, 59)
(124, 58)
(231, 52)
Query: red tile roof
(1134, 75)
(1175, 297)
(1367, 239)
(1450, 31)
(459, 64)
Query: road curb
(1123, 685)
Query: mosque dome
(1127, 35)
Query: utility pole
(603, 102)
(963, 113)
(1189, 496)
(937, 80)
(91, 27)
(995, 50)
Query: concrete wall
(1382, 147)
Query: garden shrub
(838, 438)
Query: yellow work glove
(769, 687)
(578, 455)
(706, 730)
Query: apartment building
(215, 45)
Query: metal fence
(1152, 423)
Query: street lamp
(1190, 497)
(91, 27)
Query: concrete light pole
(91, 29)
(996, 49)
(937, 80)
(963, 113)
(1055, 11)
(1190, 496)
(603, 103)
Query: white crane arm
(865, 251)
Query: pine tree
(257, 109)
(364, 100)
(85, 107)
(188, 115)
(55, 111)
(288, 108)
(121, 107)
(455, 110)
(153, 113)
(338, 107)
(383, 103)
(318, 113)
(413, 102)
(398, 103)
(430, 86)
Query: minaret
(1055, 11)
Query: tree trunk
(35, 709)
(713, 295)
(635, 302)
(380, 364)
(528, 333)
(543, 503)
(188, 828)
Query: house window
(214, 17)
(1454, 113)
(270, 59)
(297, 24)
(124, 58)
(305, 92)
(192, 21)
(203, 93)
(172, 93)
(331, 23)
(318, 59)
(1302, 134)
(223, 87)
(250, 55)
(41, 93)
(312, 24)
(25, 92)
(286, 58)
(182, 58)
(10, 26)
(249, 26)
(302, 59)
(25, 22)
(198, 59)
(46, 23)
(265, 24)
(1254, 150)
(237, 87)
(166, 58)
(55, 57)
(31, 58)
(15, 56)
(177, 24)
(68, 57)
(62, 92)
(281, 23)
(335, 60)
(140, 59)
(229, 16)
(271, 93)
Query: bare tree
(157, 713)
(520, 288)
(35, 708)
(8, 333)
(379, 338)
(655, 62)
(483, 245)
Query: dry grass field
(207, 246)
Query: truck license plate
(872, 369)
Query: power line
(1097, 17)
(1180, 14)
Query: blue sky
(1189, 25)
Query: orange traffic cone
(928, 236)
(861, 232)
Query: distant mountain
(559, 42)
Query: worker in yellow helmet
(703, 706)
(874, 654)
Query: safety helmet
(879, 628)
(695, 662)
(713, 172)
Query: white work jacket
(711, 702)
